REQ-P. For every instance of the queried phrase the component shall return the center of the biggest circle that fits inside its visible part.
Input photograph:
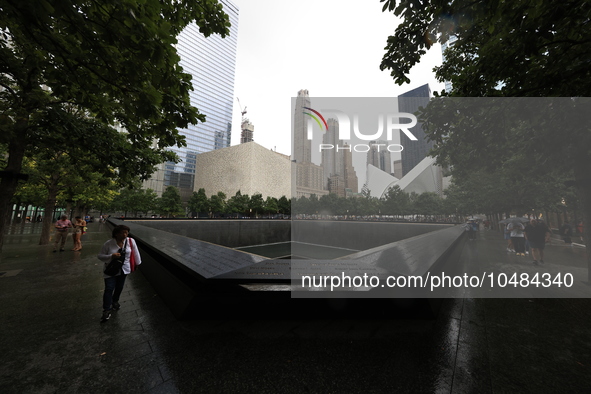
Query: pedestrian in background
(507, 236)
(61, 232)
(469, 227)
(538, 233)
(79, 226)
(517, 236)
(119, 246)
(475, 227)
(566, 231)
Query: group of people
(566, 232)
(472, 227)
(534, 235)
(62, 229)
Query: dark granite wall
(357, 235)
(341, 234)
(186, 272)
(230, 233)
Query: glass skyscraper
(212, 63)
(302, 147)
(414, 151)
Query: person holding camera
(121, 257)
(61, 232)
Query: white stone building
(249, 167)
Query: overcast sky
(333, 48)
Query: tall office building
(332, 161)
(309, 177)
(212, 62)
(397, 169)
(302, 147)
(351, 180)
(414, 151)
(247, 134)
(337, 164)
(379, 156)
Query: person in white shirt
(119, 247)
(517, 236)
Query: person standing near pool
(120, 246)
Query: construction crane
(242, 111)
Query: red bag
(132, 265)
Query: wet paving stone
(51, 340)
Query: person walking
(517, 236)
(475, 228)
(61, 232)
(507, 237)
(79, 226)
(119, 247)
(567, 231)
(538, 233)
(470, 229)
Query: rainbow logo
(316, 119)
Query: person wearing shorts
(79, 226)
(517, 236)
(507, 236)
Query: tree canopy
(170, 203)
(113, 63)
(199, 202)
(503, 48)
(507, 49)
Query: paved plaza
(51, 340)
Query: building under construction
(247, 131)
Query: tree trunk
(13, 215)
(575, 216)
(583, 182)
(68, 210)
(9, 181)
(48, 220)
(78, 210)
(548, 219)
